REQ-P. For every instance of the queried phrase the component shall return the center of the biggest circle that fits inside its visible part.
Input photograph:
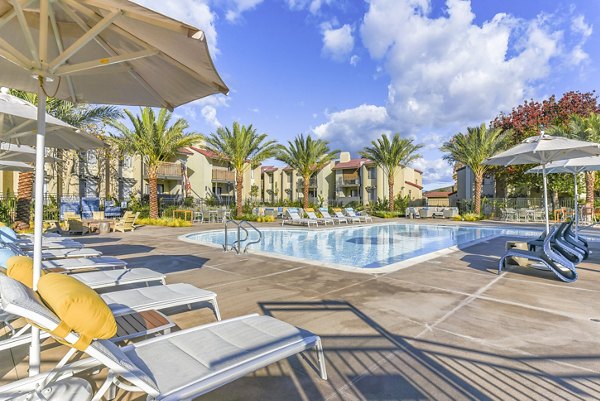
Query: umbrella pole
(576, 208)
(546, 199)
(38, 215)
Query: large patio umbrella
(572, 166)
(99, 51)
(19, 153)
(8, 165)
(544, 149)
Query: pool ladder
(237, 244)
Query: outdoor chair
(294, 218)
(339, 215)
(177, 366)
(523, 215)
(325, 213)
(312, 216)
(127, 222)
(511, 214)
(98, 215)
(547, 259)
(51, 254)
(361, 217)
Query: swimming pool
(373, 248)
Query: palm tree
(155, 141)
(307, 156)
(242, 148)
(390, 156)
(583, 129)
(77, 115)
(471, 149)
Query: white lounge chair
(339, 214)
(325, 213)
(126, 302)
(361, 217)
(79, 264)
(312, 216)
(178, 366)
(9, 236)
(294, 218)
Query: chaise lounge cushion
(7, 235)
(21, 268)
(79, 308)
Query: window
(91, 157)
(372, 173)
(160, 188)
(127, 161)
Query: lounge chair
(127, 222)
(9, 236)
(339, 214)
(178, 366)
(361, 215)
(126, 302)
(547, 259)
(325, 213)
(312, 216)
(568, 246)
(294, 218)
(82, 264)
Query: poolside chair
(8, 235)
(127, 302)
(177, 366)
(547, 259)
(79, 264)
(294, 218)
(339, 214)
(312, 216)
(325, 213)
(364, 215)
(126, 223)
(574, 250)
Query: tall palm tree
(242, 148)
(307, 156)
(77, 115)
(156, 141)
(390, 156)
(584, 128)
(472, 148)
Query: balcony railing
(223, 175)
(344, 200)
(168, 170)
(349, 183)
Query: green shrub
(471, 217)
(164, 222)
(387, 214)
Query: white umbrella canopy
(544, 149)
(8, 165)
(18, 125)
(19, 153)
(98, 51)
(572, 166)
(105, 51)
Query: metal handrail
(260, 234)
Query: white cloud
(194, 12)
(354, 59)
(584, 30)
(579, 25)
(350, 129)
(337, 42)
(239, 6)
(434, 170)
(210, 116)
(314, 6)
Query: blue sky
(350, 70)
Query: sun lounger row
(348, 216)
(167, 367)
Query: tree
(307, 156)
(77, 115)
(242, 148)
(471, 149)
(156, 141)
(390, 156)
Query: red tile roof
(436, 194)
(288, 168)
(413, 184)
(351, 164)
(267, 169)
(185, 151)
(418, 171)
(207, 153)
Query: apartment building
(360, 180)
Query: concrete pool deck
(448, 328)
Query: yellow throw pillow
(79, 308)
(21, 269)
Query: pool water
(364, 247)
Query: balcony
(348, 183)
(167, 171)
(344, 200)
(221, 175)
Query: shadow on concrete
(96, 240)
(167, 263)
(384, 366)
(123, 250)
